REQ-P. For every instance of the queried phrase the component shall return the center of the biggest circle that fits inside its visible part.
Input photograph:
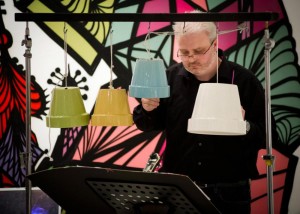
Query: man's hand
(150, 104)
(243, 112)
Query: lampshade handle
(147, 45)
(217, 39)
(65, 54)
(111, 60)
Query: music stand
(102, 190)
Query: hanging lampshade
(67, 108)
(112, 108)
(217, 111)
(149, 79)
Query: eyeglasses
(196, 55)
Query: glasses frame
(195, 56)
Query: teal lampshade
(149, 79)
(217, 111)
(67, 109)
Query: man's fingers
(150, 103)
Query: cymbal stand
(269, 158)
(28, 43)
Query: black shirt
(207, 158)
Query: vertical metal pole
(269, 44)
(27, 42)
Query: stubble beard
(198, 69)
(202, 71)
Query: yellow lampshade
(67, 109)
(112, 109)
(217, 111)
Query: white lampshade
(217, 111)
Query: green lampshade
(67, 109)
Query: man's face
(198, 54)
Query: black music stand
(102, 190)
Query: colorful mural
(89, 53)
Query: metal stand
(269, 158)
(102, 190)
(28, 158)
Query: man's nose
(191, 58)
